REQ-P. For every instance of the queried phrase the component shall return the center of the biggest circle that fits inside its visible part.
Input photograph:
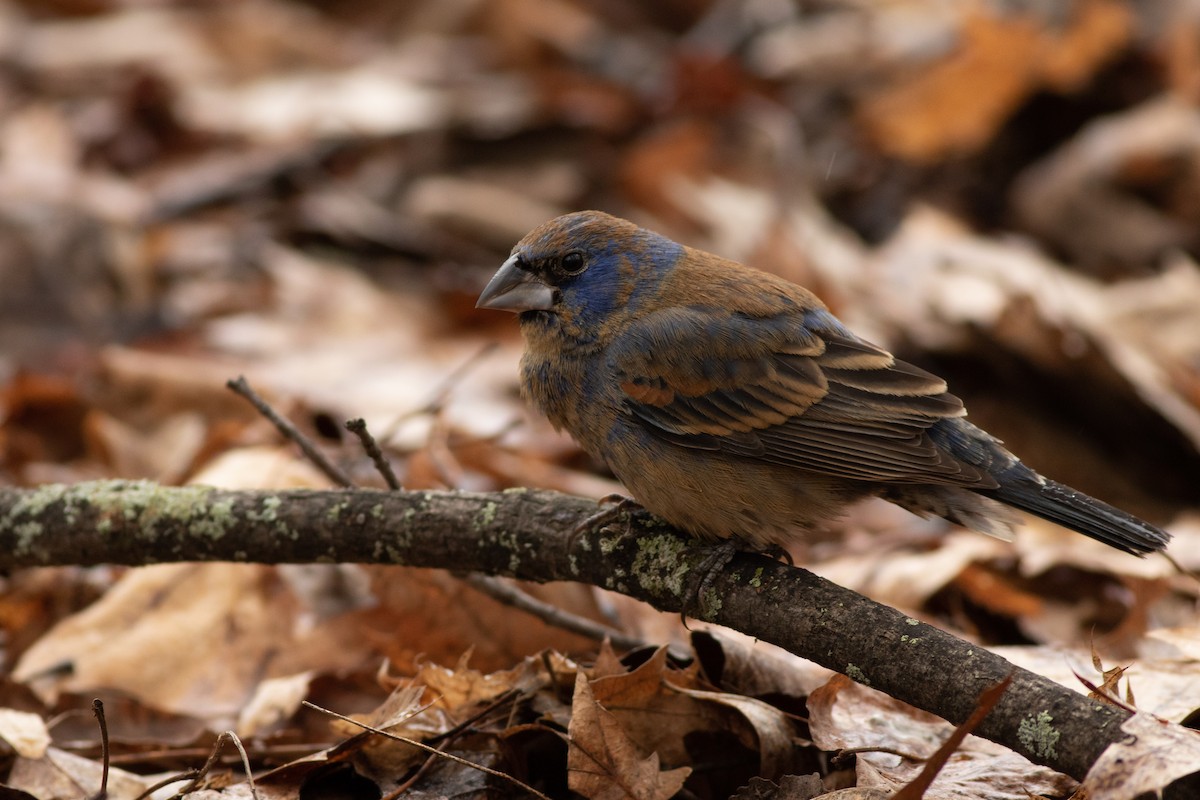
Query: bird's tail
(1079, 512)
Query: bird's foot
(718, 558)
(616, 505)
(779, 553)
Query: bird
(732, 404)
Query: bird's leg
(779, 553)
(617, 505)
(717, 559)
(719, 556)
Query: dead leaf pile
(312, 194)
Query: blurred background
(313, 194)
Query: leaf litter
(312, 196)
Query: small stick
(437, 398)
(916, 788)
(433, 750)
(445, 739)
(448, 384)
(358, 427)
(98, 710)
(237, 742)
(840, 757)
(214, 754)
(552, 615)
(289, 431)
(185, 776)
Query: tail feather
(1079, 512)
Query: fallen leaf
(150, 637)
(1151, 757)
(59, 775)
(26, 733)
(653, 712)
(956, 104)
(919, 786)
(274, 701)
(603, 763)
(844, 714)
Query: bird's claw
(718, 558)
(779, 553)
(616, 506)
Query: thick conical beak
(515, 289)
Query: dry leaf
(844, 714)
(956, 105)
(26, 733)
(190, 638)
(1151, 757)
(652, 710)
(775, 738)
(603, 762)
(59, 775)
(755, 668)
(274, 701)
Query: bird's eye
(573, 263)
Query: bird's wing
(795, 389)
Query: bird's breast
(573, 394)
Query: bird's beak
(515, 289)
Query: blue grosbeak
(732, 403)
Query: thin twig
(98, 710)
(507, 696)
(504, 592)
(214, 754)
(444, 738)
(146, 758)
(426, 765)
(62, 716)
(184, 776)
(290, 431)
(840, 756)
(441, 455)
(437, 398)
(237, 742)
(198, 775)
(918, 786)
(433, 750)
(358, 427)
(457, 374)
(443, 390)
(1103, 696)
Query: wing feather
(794, 388)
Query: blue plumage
(733, 404)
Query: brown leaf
(603, 763)
(990, 696)
(994, 591)
(657, 161)
(653, 713)
(497, 635)
(957, 104)
(606, 663)
(1154, 754)
(737, 663)
(844, 714)
(149, 637)
(24, 732)
(1110, 688)
(59, 774)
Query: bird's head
(576, 271)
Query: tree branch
(527, 534)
